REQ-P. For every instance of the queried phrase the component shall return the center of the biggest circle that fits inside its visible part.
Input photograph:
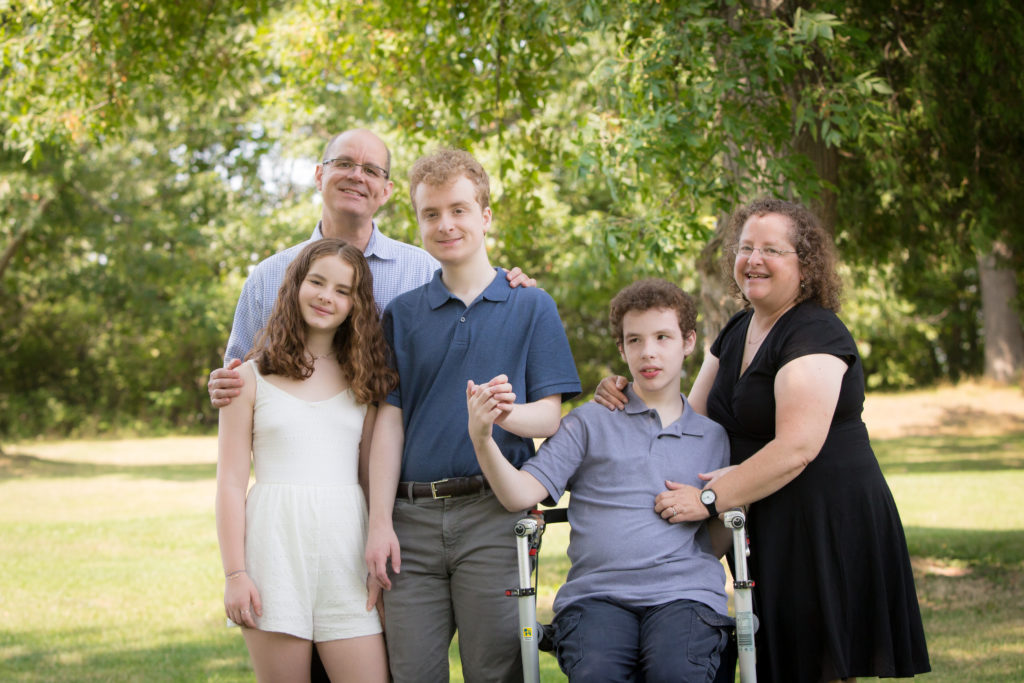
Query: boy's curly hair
(644, 295)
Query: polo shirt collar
(689, 423)
(497, 290)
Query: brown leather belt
(442, 488)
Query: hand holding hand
(610, 394)
(488, 404)
(224, 384)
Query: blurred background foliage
(153, 152)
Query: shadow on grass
(961, 417)
(75, 655)
(945, 453)
(1002, 548)
(32, 467)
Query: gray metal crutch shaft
(527, 599)
(746, 622)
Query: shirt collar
(689, 423)
(497, 290)
(379, 245)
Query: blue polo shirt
(616, 462)
(439, 343)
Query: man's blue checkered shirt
(397, 267)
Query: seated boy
(433, 517)
(645, 598)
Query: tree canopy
(153, 152)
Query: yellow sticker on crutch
(527, 633)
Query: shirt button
(462, 319)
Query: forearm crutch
(746, 621)
(529, 531)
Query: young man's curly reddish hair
(358, 343)
(446, 166)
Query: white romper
(305, 517)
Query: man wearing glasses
(354, 180)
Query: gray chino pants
(458, 558)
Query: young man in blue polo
(432, 515)
(645, 598)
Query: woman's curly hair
(358, 343)
(815, 249)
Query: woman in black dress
(834, 589)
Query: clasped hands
(488, 404)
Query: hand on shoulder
(224, 384)
(611, 392)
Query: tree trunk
(1004, 337)
(826, 162)
(716, 301)
(26, 227)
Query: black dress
(834, 589)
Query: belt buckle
(433, 490)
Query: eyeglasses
(746, 251)
(347, 165)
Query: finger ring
(671, 512)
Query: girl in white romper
(293, 548)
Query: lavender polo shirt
(615, 463)
(397, 267)
(439, 343)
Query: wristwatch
(708, 497)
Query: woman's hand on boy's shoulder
(610, 392)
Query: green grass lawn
(109, 569)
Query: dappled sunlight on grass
(133, 452)
(110, 568)
(21, 466)
(967, 409)
(1000, 548)
(974, 624)
(921, 454)
(960, 500)
(77, 654)
(101, 498)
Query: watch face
(707, 496)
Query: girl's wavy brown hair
(815, 248)
(358, 343)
